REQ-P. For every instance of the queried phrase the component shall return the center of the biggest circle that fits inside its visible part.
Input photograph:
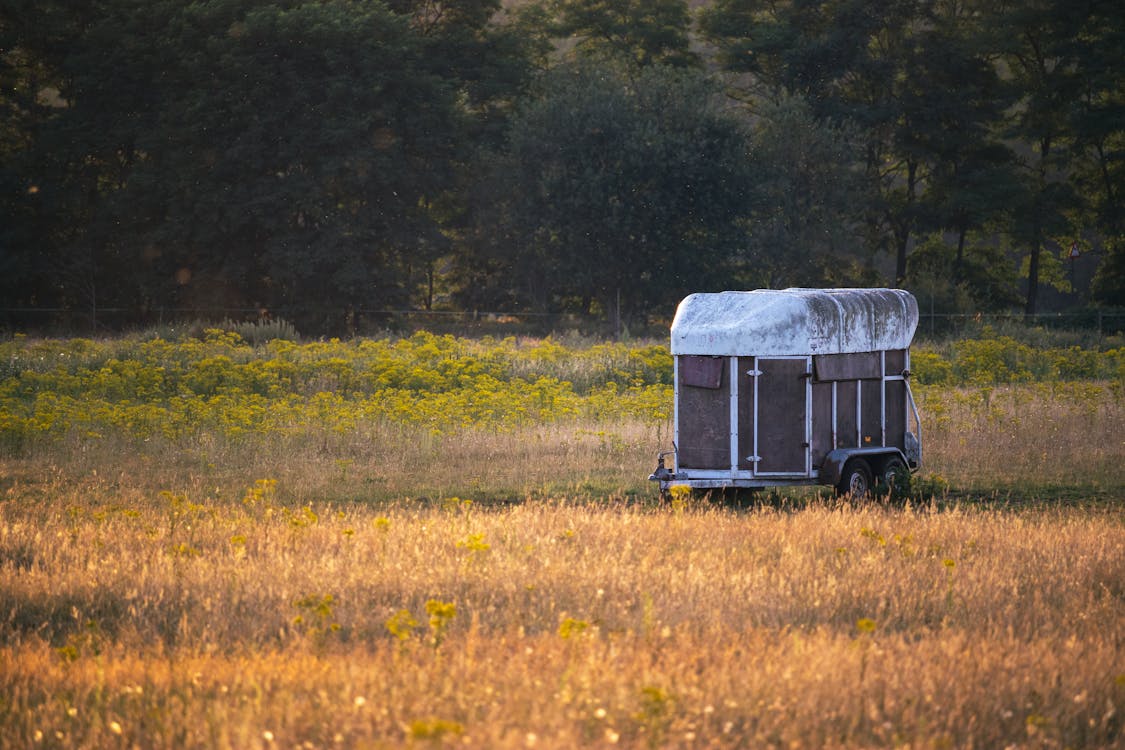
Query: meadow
(209, 541)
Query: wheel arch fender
(832, 468)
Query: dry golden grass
(378, 463)
(158, 595)
(837, 625)
(1045, 435)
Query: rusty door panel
(871, 412)
(896, 413)
(848, 366)
(702, 371)
(781, 415)
(821, 422)
(895, 361)
(704, 422)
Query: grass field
(207, 544)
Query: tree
(317, 145)
(21, 274)
(52, 184)
(959, 102)
(619, 187)
(986, 281)
(1099, 142)
(782, 48)
(1108, 285)
(907, 73)
(643, 32)
(271, 154)
(807, 186)
(1036, 41)
(486, 53)
(849, 60)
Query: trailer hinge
(753, 373)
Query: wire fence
(1103, 322)
(331, 320)
(107, 320)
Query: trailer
(792, 387)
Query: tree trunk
(1036, 232)
(902, 237)
(903, 227)
(1033, 269)
(610, 300)
(1110, 193)
(959, 261)
(429, 286)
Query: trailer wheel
(894, 477)
(855, 480)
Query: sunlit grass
(838, 624)
(349, 575)
(1045, 435)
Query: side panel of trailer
(703, 411)
(823, 421)
(791, 386)
(860, 401)
(783, 415)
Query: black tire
(856, 479)
(894, 477)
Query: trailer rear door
(779, 404)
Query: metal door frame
(756, 373)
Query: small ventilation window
(702, 371)
(864, 366)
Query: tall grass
(566, 625)
(1031, 440)
(1039, 435)
(381, 573)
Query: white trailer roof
(769, 322)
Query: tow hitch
(662, 474)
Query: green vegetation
(205, 543)
(325, 162)
(222, 387)
(438, 416)
(220, 390)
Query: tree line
(319, 159)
